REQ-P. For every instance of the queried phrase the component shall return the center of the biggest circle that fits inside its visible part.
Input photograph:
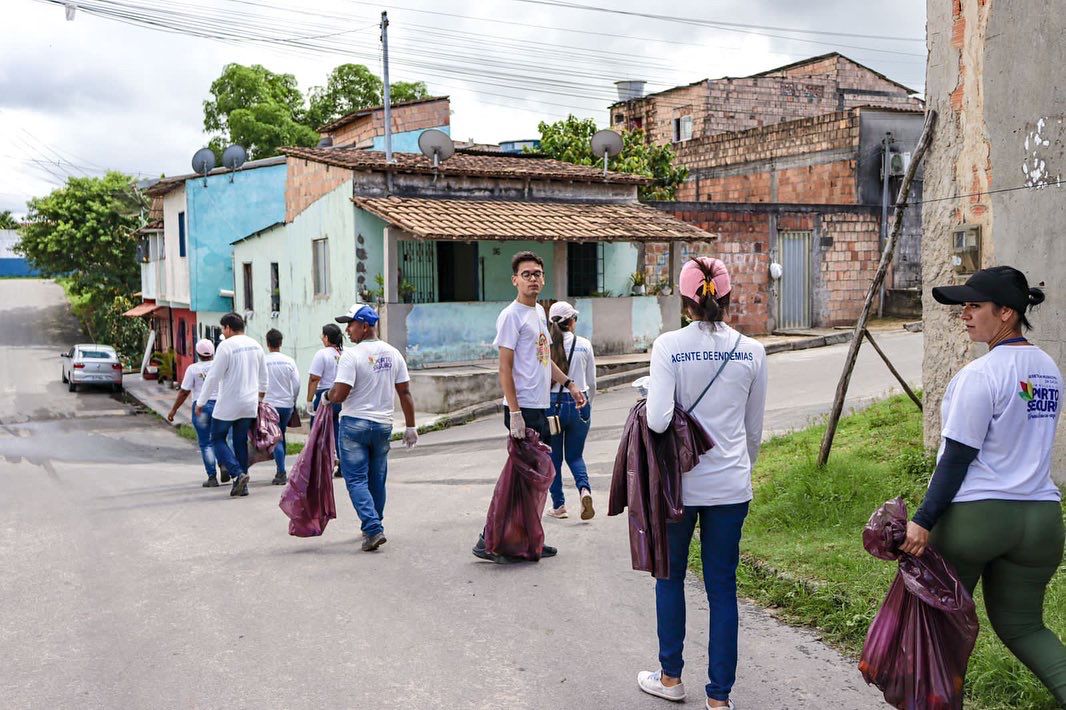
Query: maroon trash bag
(513, 525)
(920, 641)
(308, 496)
(264, 434)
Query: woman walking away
(321, 375)
(192, 383)
(573, 354)
(992, 508)
(718, 376)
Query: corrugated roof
(469, 220)
(463, 163)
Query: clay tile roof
(463, 163)
(467, 220)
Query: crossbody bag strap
(727, 359)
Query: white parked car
(92, 364)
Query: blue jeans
(364, 456)
(284, 414)
(236, 459)
(336, 418)
(202, 425)
(720, 527)
(570, 443)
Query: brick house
(365, 128)
(785, 167)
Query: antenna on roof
(203, 161)
(608, 144)
(233, 158)
(436, 145)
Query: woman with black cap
(992, 508)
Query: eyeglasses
(532, 275)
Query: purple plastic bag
(308, 496)
(513, 524)
(920, 642)
(264, 434)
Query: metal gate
(417, 275)
(794, 290)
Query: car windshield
(97, 354)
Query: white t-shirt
(324, 365)
(524, 329)
(239, 374)
(373, 369)
(284, 386)
(193, 381)
(582, 364)
(1006, 405)
(682, 363)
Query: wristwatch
(567, 383)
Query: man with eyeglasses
(526, 367)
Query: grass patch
(802, 546)
(186, 431)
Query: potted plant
(407, 291)
(165, 365)
(637, 279)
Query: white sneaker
(731, 706)
(559, 512)
(651, 682)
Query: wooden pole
(875, 287)
(899, 377)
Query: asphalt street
(127, 585)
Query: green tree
(84, 234)
(258, 109)
(570, 139)
(351, 87)
(8, 221)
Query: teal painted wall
(619, 263)
(498, 285)
(369, 250)
(451, 332)
(406, 142)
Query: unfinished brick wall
(405, 117)
(828, 183)
(846, 267)
(307, 181)
(833, 83)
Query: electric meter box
(966, 248)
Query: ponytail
(558, 351)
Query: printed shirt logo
(542, 349)
(380, 363)
(1041, 400)
(694, 355)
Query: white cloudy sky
(77, 97)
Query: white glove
(518, 425)
(310, 408)
(410, 436)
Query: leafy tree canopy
(8, 221)
(85, 231)
(570, 139)
(264, 111)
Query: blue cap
(360, 312)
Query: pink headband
(693, 285)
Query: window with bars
(275, 287)
(320, 266)
(249, 304)
(584, 275)
(416, 279)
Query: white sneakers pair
(588, 512)
(651, 682)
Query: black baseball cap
(998, 284)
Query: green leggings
(1014, 548)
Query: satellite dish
(234, 157)
(608, 144)
(436, 145)
(203, 162)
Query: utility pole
(385, 80)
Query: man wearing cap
(526, 368)
(369, 375)
(192, 383)
(282, 392)
(239, 375)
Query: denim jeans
(336, 418)
(202, 425)
(720, 527)
(284, 414)
(364, 456)
(236, 459)
(569, 444)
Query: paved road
(126, 585)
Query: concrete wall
(993, 78)
(218, 215)
(619, 263)
(407, 141)
(176, 267)
(303, 314)
(12, 264)
(497, 269)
